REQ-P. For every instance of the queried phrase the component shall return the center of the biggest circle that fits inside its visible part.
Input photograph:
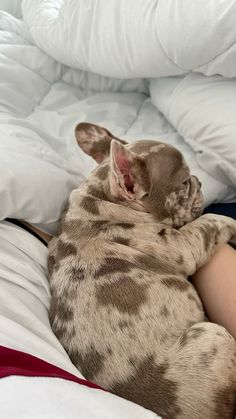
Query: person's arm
(41, 233)
(215, 283)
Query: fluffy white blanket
(48, 84)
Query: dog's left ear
(94, 140)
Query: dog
(122, 305)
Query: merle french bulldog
(121, 303)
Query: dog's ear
(94, 140)
(129, 173)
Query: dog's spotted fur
(121, 303)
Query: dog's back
(121, 303)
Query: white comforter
(48, 85)
(126, 39)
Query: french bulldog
(122, 303)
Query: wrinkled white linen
(42, 100)
(53, 398)
(127, 38)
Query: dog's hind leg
(204, 365)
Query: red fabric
(14, 362)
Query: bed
(64, 62)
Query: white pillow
(136, 38)
(203, 110)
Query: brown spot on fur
(164, 311)
(59, 331)
(126, 226)
(192, 333)
(113, 264)
(183, 339)
(102, 172)
(180, 260)
(65, 249)
(51, 265)
(90, 363)
(205, 236)
(195, 332)
(59, 309)
(125, 294)
(97, 193)
(123, 324)
(206, 358)
(150, 385)
(132, 336)
(214, 351)
(101, 146)
(100, 225)
(225, 402)
(90, 204)
(176, 283)
(121, 240)
(133, 361)
(77, 274)
(109, 351)
(147, 262)
(162, 233)
(144, 262)
(209, 234)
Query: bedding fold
(202, 109)
(128, 39)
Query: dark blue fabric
(223, 209)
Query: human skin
(42, 234)
(216, 285)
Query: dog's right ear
(95, 140)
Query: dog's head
(147, 175)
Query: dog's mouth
(198, 202)
(197, 211)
